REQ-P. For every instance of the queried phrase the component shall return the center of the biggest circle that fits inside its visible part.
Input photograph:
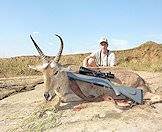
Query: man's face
(103, 46)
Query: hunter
(103, 57)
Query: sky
(81, 23)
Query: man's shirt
(104, 60)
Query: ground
(28, 111)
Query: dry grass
(146, 57)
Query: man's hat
(103, 39)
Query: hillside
(146, 57)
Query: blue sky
(81, 23)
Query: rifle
(89, 72)
(136, 95)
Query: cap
(103, 39)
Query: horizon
(81, 24)
(36, 55)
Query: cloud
(119, 44)
(154, 37)
(50, 43)
(36, 33)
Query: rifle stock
(132, 93)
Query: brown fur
(57, 83)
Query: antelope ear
(39, 67)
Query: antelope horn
(38, 49)
(58, 56)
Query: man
(103, 57)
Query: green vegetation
(146, 57)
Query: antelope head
(50, 70)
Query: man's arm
(112, 61)
(85, 61)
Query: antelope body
(57, 83)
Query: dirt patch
(28, 111)
(10, 86)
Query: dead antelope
(49, 69)
(56, 81)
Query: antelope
(57, 83)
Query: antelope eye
(55, 72)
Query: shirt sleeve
(93, 55)
(112, 60)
